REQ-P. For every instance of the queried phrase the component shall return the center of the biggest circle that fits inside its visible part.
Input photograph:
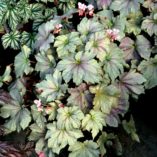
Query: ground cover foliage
(76, 65)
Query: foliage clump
(75, 67)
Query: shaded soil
(144, 113)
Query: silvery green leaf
(80, 67)
(22, 63)
(67, 44)
(84, 149)
(94, 122)
(52, 87)
(61, 137)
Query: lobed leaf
(80, 67)
(84, 149)
(94, 122)
(51, 87)
(61, 137)
(22, 63)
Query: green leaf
(103, 3)
(105, 97)
(11, 39)
(36, 10)
(67, 44)
(133, 24)
(88, 27)
(131, 83)
(51, 111)
(128, 47)
(28, 39)
(126, 6)
(37, 132)
(120, 24)
(130, 128)
(22, 62)
(143, 47)
(106, 17)
(47, 15)
(12, 16)
(20, 85)
(45, 1)
(38, 116)
(114, 61)
(97, 45)
(94, 122)
(112, 119)
(19, 116)
(45, 63)
(149, 4)
(6, 77)
(44, 36)
(61, 137)
(80, 67)
(69, 117)
(51, 87)
(38, 135)
(80, 96)
(103, 139)
(149, 71)
(67, 5)
(85, 149)
(2, 30)
(149, 24)
(3, 6)
(24, 10)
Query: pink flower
(113, 34)
(39, 105)
(57, 28)
(41, 154)
(38, 102)
(81, 8)
(90, 8)
(61, 105)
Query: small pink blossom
(90, 9)
(113, 34)
(61, 105)
(39, 105)
(81, 8)
(38, 102)
(41, 154)
(57, 28)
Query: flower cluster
(84, 10)
(39, 105)
(113, 34)
(57, 29)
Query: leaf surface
(80, 67)
(85, 149)
(94, 122)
